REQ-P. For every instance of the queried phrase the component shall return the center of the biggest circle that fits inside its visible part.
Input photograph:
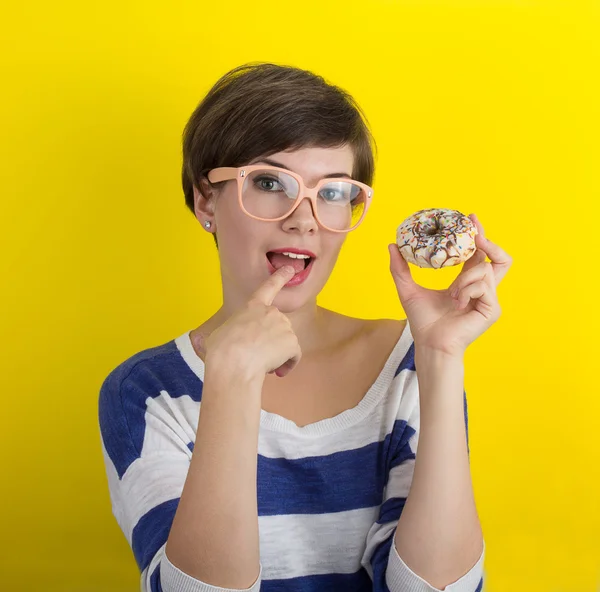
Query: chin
(289, 306)
(292, 299)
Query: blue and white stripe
(329, 494)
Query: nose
(302, 217)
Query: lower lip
(298, 278)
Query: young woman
(274, 447)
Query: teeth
(296, 256)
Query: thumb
(400, 270)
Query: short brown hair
(261, 108)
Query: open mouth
(297, 264)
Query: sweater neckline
(330, 425)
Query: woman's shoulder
(371, 340)
(367, 330)
(390, 326)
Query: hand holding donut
(449, 320)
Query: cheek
(330, 251)
(241, 244)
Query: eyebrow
(274, 163)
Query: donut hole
(432, 228)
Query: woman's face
(245, 241)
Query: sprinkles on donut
(436, 238)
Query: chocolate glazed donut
(436, 238)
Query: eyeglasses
(271, 193)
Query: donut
(436, 238)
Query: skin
(244, 241)
(265, 326)
(440, 512)
(217, 541)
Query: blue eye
(329, 194)
(341, 191)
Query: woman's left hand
(449, 320)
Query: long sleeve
(147, 447)
(381, 559)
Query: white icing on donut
(436, 238)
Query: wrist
(435, 367)
(223, 370)
(438, 357)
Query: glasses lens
(340, 204)
(271, 194)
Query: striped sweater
(329, 493)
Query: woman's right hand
(258, 338)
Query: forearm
(439, 535)
(214, 536)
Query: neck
(311, 324)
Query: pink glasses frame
(239, 173)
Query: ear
(204, 200)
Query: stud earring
(207, 224)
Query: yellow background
(489, 107)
